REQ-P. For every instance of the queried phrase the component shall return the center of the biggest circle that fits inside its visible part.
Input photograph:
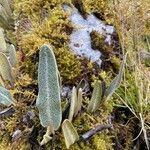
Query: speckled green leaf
(2, 41)
(4, 23)
(5, 97)
(96, 97)
(5, 68)
(12, 55)
(69, 132)
(73, 104)
(116, 81)
(48, 101)
(6, 5)
(79, 102)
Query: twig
(7, 112)
(86, 136)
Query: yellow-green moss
(52, 27)
(43, 22)
(83, 123)
(98, 42)
(100, 7)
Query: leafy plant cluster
(49, 101)
(133, 93)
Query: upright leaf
(4, 23)
(69, 132)
(73, 103)
(2, 41)
(48, 101)
(5, 97)
(116, 81)
(12, 55)
(5, 69)
(6, 5)
(96, 97)
(79, 102)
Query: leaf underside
(96, 97)
(2, 41)
(69, 132)
(48, 101)
(73, 103)
(5, 68)
(5, 97)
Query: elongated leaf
(12, 55)
(148, 43)
(2, 82)
(48, 101)
(2, 41)
(116, 81)
(69, 132)
(5, 68)
(79, 102)
(73, 104)
(6, 5)
(96, 97)
(5, 19)
(5, 97)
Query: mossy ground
(39, 22)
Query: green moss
(98, 42)
(83, 123)
(52, 27)
(100, 7)
(13, 123)
(115, 61)
(43, 22)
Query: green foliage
(2, 41)
(73, 103)
(116, 81)
(12, 54)
(76, 103)
(48, 101)
(79, 102)
(5, 14)
(8, 59)
(96, 97)
(69, 132)
(5, 97)
(5, 69)
(39, 27)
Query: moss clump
(12, 124)
(45, 22)
(98, 42)
(101, 8)
(83, 123)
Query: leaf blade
(69, 132)
(5, 69)
(2, 41)
(5, 97)
(116, 81)
(73, 103)
(96, 97)
(48, 101)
